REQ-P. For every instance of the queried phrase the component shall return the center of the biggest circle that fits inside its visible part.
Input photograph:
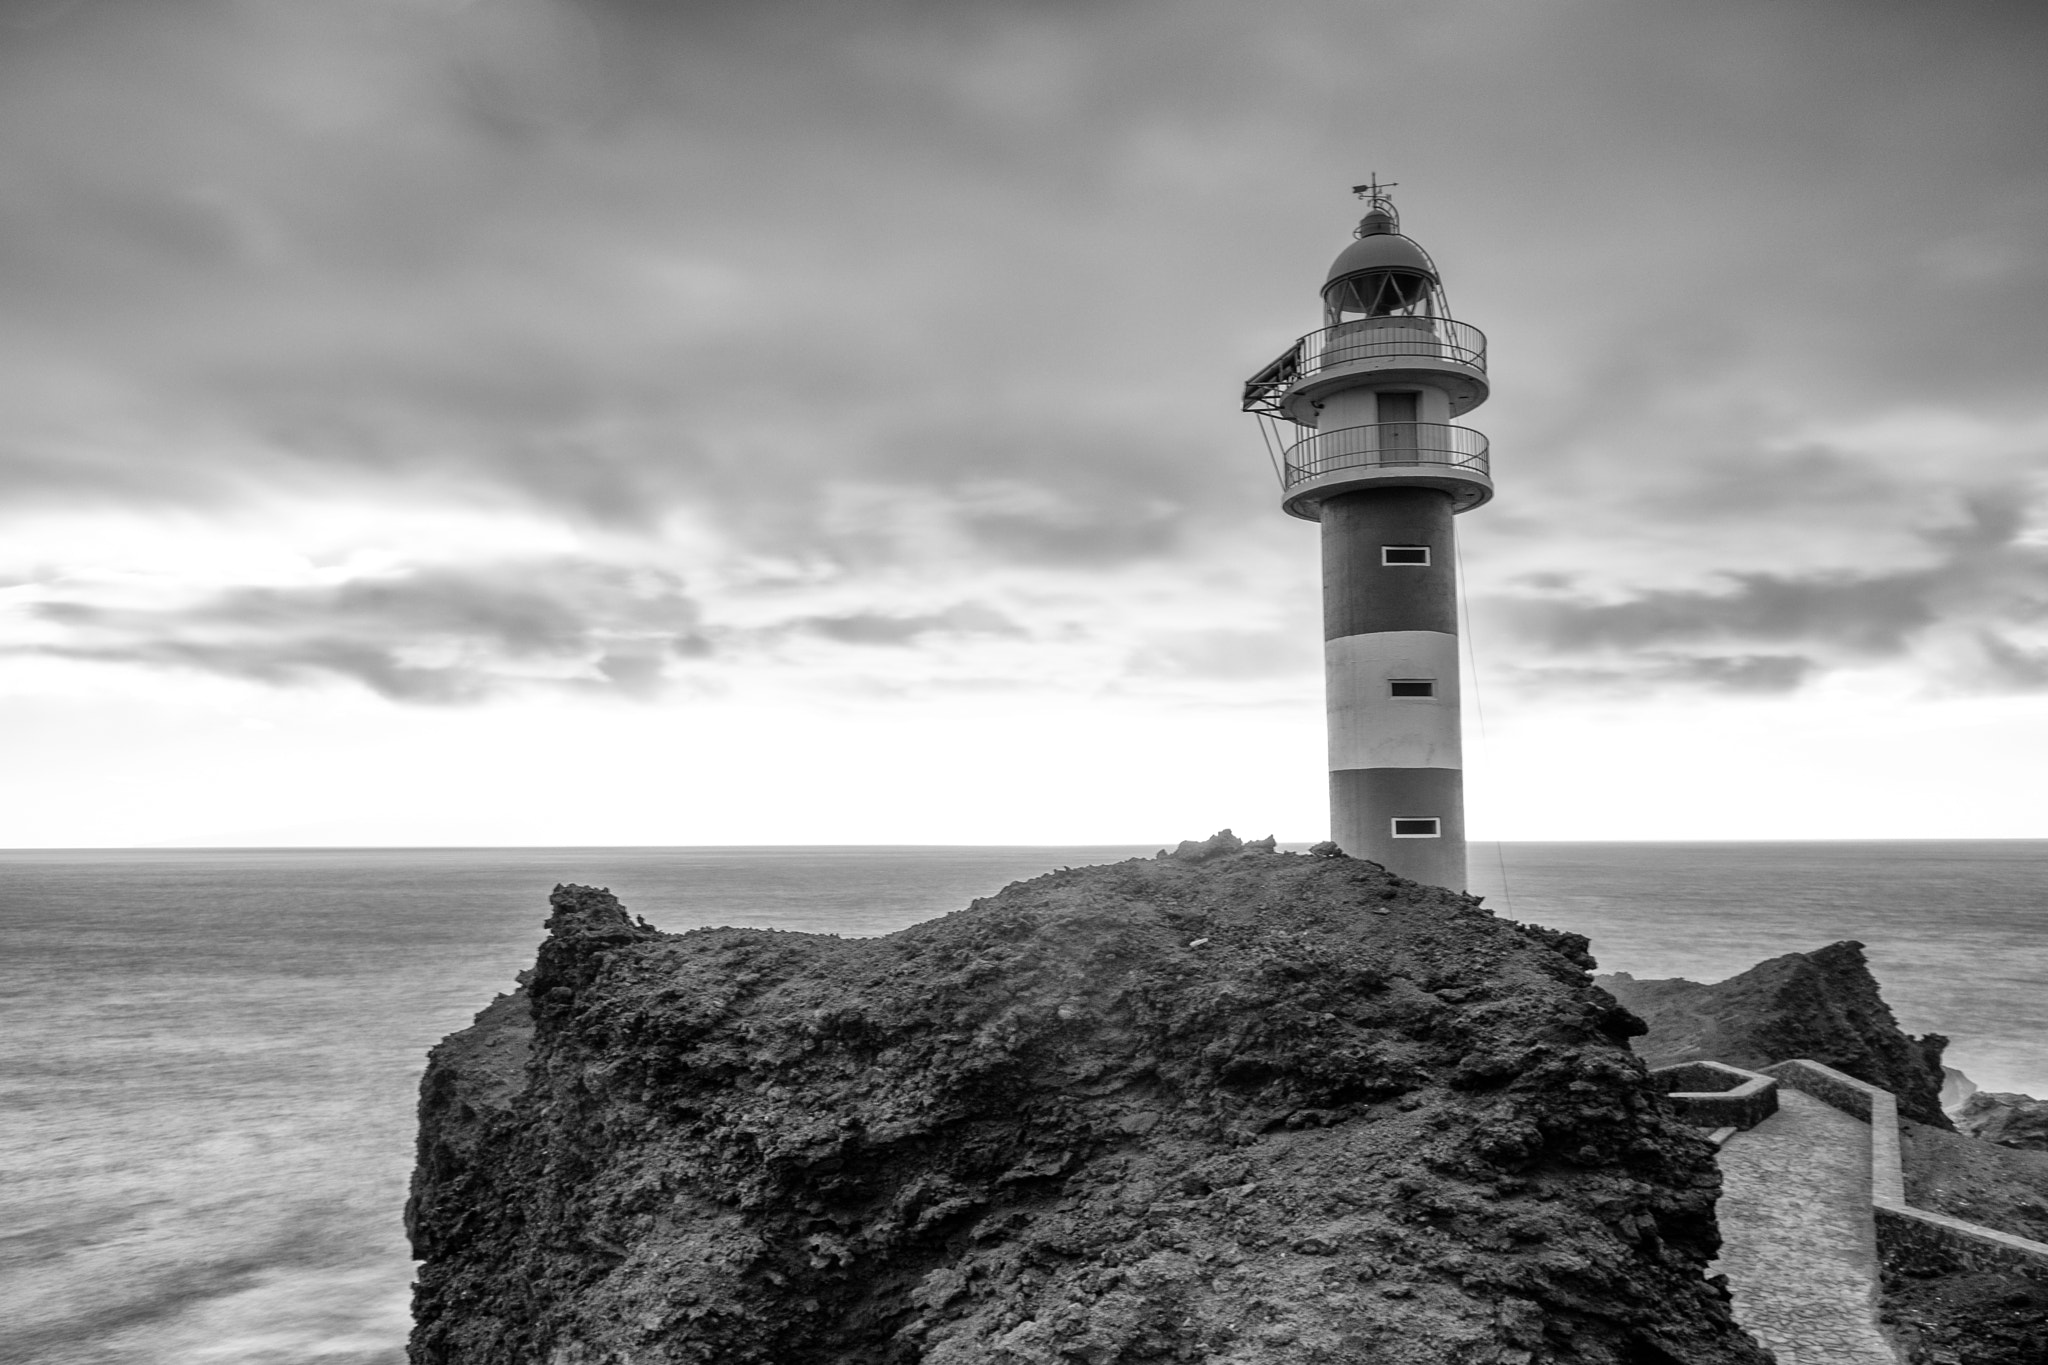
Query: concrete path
(1798, 1244)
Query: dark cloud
(872, 628)
(1978, 572)
(1750, 674)
(2008, 667)
(613, 261)
(1872, 616)
(465, 634)
(433, 635)
(1745, 483)
(1079, 535)
(392, 237)
(1764, 673)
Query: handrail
(1361, 339)
(1382, 444)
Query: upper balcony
(1439, 351)
(1407, 454)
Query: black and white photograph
(1023, 682)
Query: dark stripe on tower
(1364, 803)
(1362, 596)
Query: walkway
(1797, 1242)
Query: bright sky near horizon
(815, 421)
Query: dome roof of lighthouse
(1380, 251)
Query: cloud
(1980, 578)
(1228, 654)
(874, 628)
(2008, 667)
(624, 259)
(1746, 674)
(1745, 484)
(619, 262)
(437, 635)
(887, 290)
(1873, 616)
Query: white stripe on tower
(1370, 726)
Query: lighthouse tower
(1375, 456)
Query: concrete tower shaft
(1378, 461)
(1390, 680)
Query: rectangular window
(1411, 687)
(1404, 554)
(1405, 828)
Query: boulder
(1215, 846)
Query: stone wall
(1918, 1243)
(1715, 1095)
(1909, 1240)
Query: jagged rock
(2010, 1120)
(1956, 1089)
(1157, 1111)
(1215, 846)
(1822, 1005)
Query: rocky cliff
(1822, 1005)
(2010, 1120)
(1229, 1106)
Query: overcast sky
(628, 421)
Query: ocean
(208, 1058)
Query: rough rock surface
(1964, 1177)
(1967, 1318)
(2008, 1119)
(1822, 1005)
(1251, 1108)
(1949, 1314)
(1952, 1314)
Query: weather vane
(1381, 214)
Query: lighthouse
(1362, 417)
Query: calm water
(207, 1059)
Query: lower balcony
(1426, 454)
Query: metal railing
(1391, 338)
(1386, 445)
